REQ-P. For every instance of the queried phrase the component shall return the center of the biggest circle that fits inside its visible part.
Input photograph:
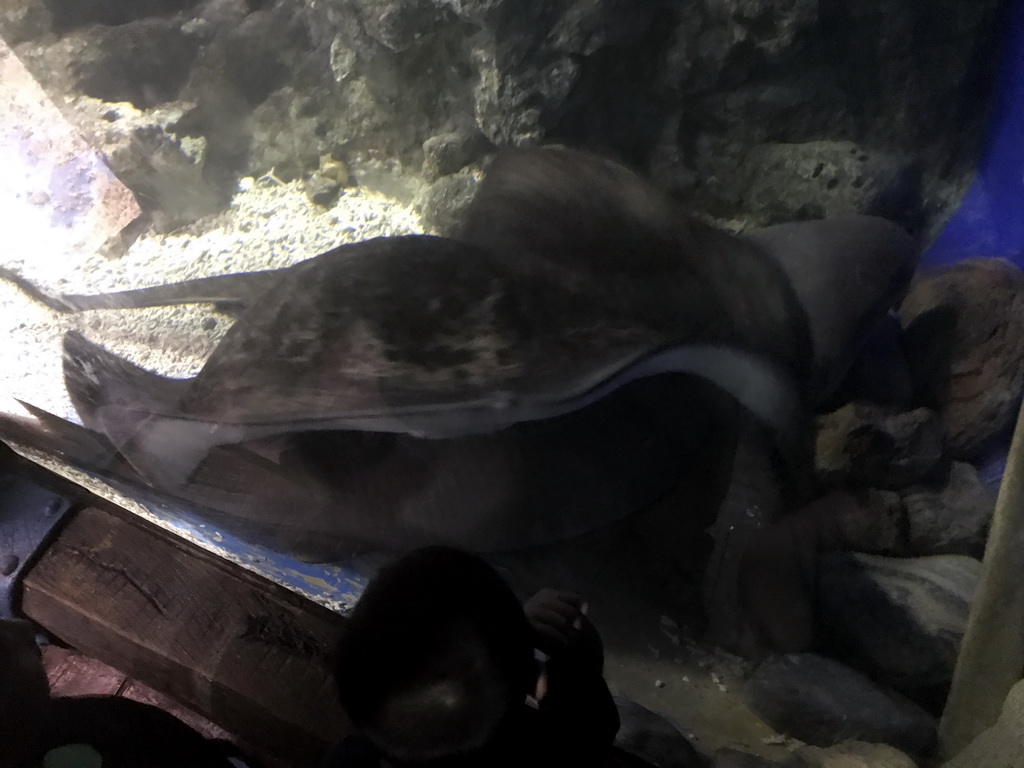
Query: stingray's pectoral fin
(766, 390)
(164, 450)
(96, 377)
(774, 397)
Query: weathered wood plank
(234, 647)
(73, 674)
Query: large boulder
(899, 619)
(964, 331)
(823, 703)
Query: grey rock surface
(442, 204)
(754, 111)
(877, 524)
(952, 518)
(145, 62)
(823, 702)
(1000, 745)
(813, 180)
(24, 21)
(855, 754)
(73, 13)
(899, 619)
(448, 153)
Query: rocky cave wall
(751, 111)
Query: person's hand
(556, 617)
(563, 631)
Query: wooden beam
(236, 648)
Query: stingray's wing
(169, 446)
(96, 378)
(231, 293)
(567, 213)
(194, 459)
(98, 381)
(848, 271)
(490, 493)
(434, 338)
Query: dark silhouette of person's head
(436, 657)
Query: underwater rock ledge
(699, 95)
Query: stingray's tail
(232, 293)
(55, 303)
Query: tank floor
(648, 616)
(643, 579)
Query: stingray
(442, 338)
(534, 378)
(437, 339)
(846, 271)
